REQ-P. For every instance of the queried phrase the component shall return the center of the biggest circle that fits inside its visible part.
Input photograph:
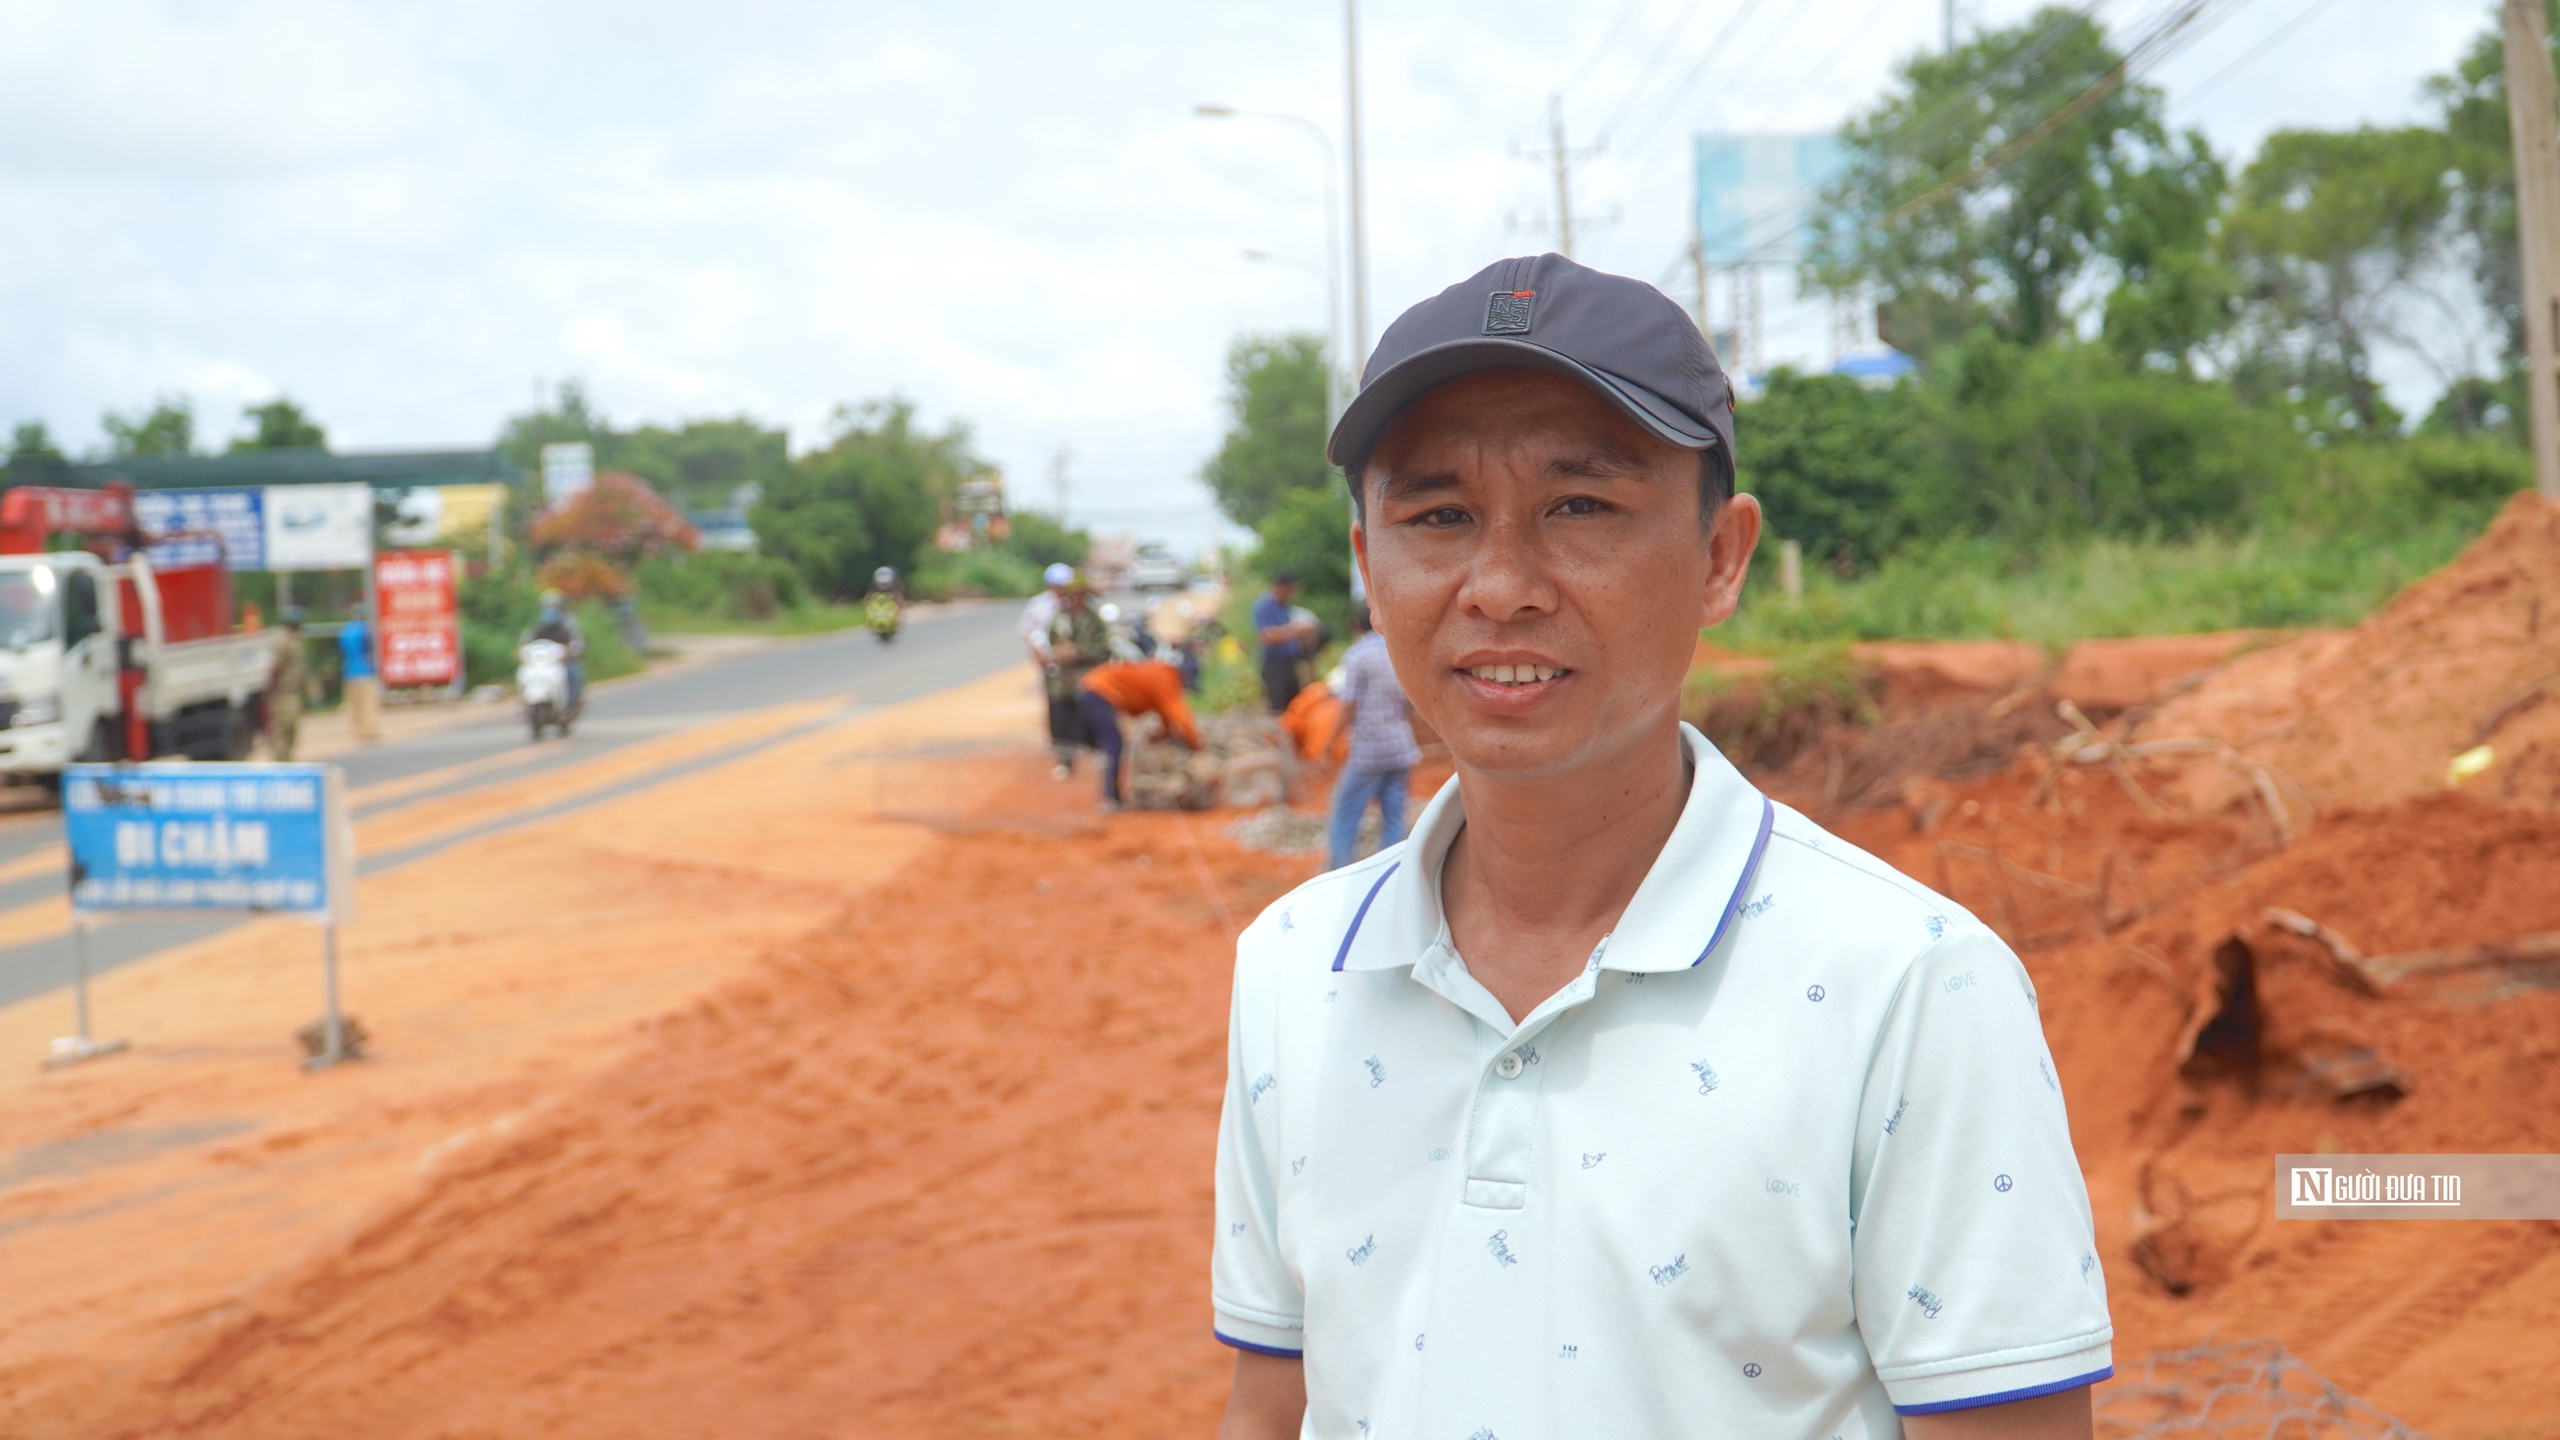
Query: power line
(1714, 51)
(2255, 53)
(1608, 37)
(1661, 53)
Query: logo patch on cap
(1506, 312)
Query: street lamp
(1332, 244)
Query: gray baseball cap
(1621, 337)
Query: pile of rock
(1244, 762)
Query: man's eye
(1579, 505)
(1442, 517)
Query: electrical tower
(1560, 157)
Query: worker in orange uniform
(1132, 687)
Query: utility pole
(1560, 158)
(1698, 271)
(1058, 479)
(1359, 237)
(2531, 118)
(1947, 26)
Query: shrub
(720, 584)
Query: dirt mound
(2468, 656)
(939, 1169)
(2198, 1038)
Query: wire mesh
(2251, 1388)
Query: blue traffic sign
(208, 837)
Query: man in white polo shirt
(1618, 1101)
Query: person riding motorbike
(557, 625)
(882, 607)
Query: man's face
(1540, 569)
(1284, 591)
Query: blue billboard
(1756, 194)
(207, 837)
(238, 515)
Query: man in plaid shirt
(1382, 748)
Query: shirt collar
(1681, 912)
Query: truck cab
(106, 661)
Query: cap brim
(1379, 400)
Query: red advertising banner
(420, 626)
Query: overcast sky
(407, 216)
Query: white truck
(116, 661)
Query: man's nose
(1510, 578)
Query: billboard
(207, 837)
(318, 527)
(237, 515)
(420, 629)
(1756, 194)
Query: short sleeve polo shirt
(1788, 1157)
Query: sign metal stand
(264, 839)
(77, 1046)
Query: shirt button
(1508, 1067)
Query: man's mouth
(1514, 674)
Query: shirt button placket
(1502, 1133)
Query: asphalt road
(935, 651)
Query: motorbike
(880, 612)
(542, 687)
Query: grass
(811, 619)
(1972, 589)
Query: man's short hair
(1284, 577)
(1715, 483)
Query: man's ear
(1360, 557)
(1730, 543)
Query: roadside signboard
(420, 632)
(264, 527)
(318, 527)
(567, 469)
(238, 515)
(178, 839)
(165, 838)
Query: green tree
(1988, 183)
(701, 464)
(569, 417)
(33, 457)
(1275, 432)
(1044, 539)
(1836, 465)
(1308, 532)
(280, 425)
(871, 497)
(167, 428)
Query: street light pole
(1359, 236)
(1334, 362)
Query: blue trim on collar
(1741, 887)
(2029, 1392)
(1250, 1348)
(1363, 913)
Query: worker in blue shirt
(1287, 635)
(363, 681)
